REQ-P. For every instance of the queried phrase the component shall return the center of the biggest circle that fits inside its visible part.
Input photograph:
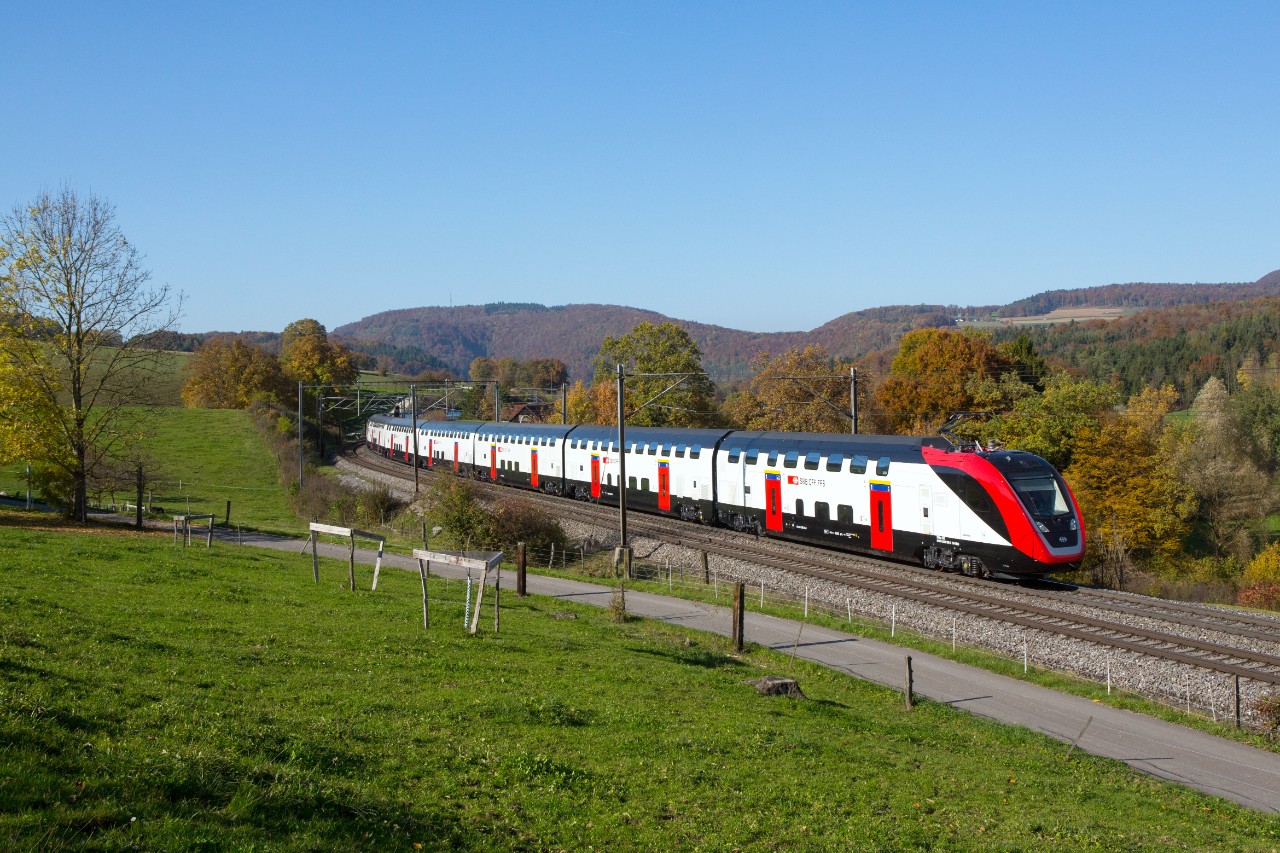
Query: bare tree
(78, 318)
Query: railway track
(1213, 639)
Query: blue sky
(764, 166)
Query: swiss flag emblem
(793, 480)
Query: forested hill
(1141, 295)
(573, 333)
(452, 337)
(1182, 345)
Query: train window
(844, 513)
(666, 450)
(680, 448)
(799, 507)
(631, 483)
(773, 459)
(695, 452)
(734, 454)
(644, 484)
(753, 456)
(811, 461)
(834, 461)
(882, 467)
(822, 511)
(652, 449)
(858, 464)
(790, 460)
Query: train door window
(631, 483)
(695, 452)
(822, 511)
(734, 454)
(844, 513)
(811, 461)
(753, 456)
(790, 460)
(644, 484)
(799, 507)
(834, 461)
(773, 459)
(858, 464)
(882, 467)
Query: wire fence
(1209, 695)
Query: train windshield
(1041, 494)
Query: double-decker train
(988, 513)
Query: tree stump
(773, 685)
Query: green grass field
(153, 698)
(200, 459)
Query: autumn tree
(800, 390)
(929, 378)
(79, 318)
(1050, 424)
(665, 384)
(1125, 477)
(227, 373)
(307, 356)
(1231, 489)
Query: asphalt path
(1215, 765)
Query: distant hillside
(1141, 295)
(573, 333)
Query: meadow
(154, 697)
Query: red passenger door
(664, 484)
(431, 452)
(493, 462)
(595, 475)
(533, 467)
(773, 500)
(455, 457)
(881, 516)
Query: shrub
(1264, 568)
(1262, 594)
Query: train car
(1002, 514)
(448, 446)
(669, 471)
(529, 456)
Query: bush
(514, 521)
(1264, 568)
(1263, 595)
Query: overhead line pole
(413, 396)
(622, 463)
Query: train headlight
(1074, 526)
(1044, 528)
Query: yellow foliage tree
(230, 374)
(932, 375)
(800, 390)
(1124, 475)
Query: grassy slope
(209, 456)
(224, 701)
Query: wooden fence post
(739, 612)
(521, 579)
(422, 572)
(706, 571)
(909, 686)
(351, 567)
